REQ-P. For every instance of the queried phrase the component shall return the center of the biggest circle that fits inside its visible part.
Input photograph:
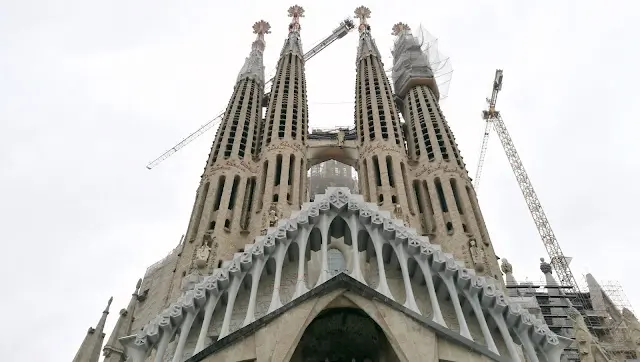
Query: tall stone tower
(284, 131)
(446, 207)
(265, 274)
(223, 210)
(382, 161)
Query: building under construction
(331, 174)
(599, 318)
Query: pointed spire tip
(295, 12)
(106, 310)
(399, 28)
(362, 13)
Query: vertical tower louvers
(284, 131)
(447, 207)
(382, 162)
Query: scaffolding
(602, 312)
(331, 173)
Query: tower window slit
(303, 173)
(292, 166)
(429, 204)
(456, 197)
(234, 192)
(199, 209)
(263, 183)
(390, 171)
(221, 182)
(441, 198)
(405, 182)
(365, 180)
(474, 206)
(276, 178)
(416, 191)
(376, 169)
(248, 201)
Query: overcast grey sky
(92, 91)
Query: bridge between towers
(335, 144)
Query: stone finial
(362, 13)
(506, 267)
(106, 310)
(545, 267)
(400, 28)
(138, 284)
(295, 13)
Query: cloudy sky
(92, 91)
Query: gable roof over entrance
(486, 305)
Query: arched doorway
(344, 335)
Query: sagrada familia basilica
(404, 270)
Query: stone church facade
(403, 271)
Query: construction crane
(494, 119)
(343, 29)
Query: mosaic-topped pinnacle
(399, 28)
(295, 13)
(362, 13)
(261, 28)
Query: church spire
(284, 131)
(293, 44)
(254, 64)
(382, 159)
(366, 46)
(90, 349)
(113, 351)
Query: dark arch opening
(344, 335)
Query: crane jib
(345, 27)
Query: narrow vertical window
(303, 180)
(292, 166)
(365, 179)
(276, 178)
(416, 191)
(456, 197)
(376, 169)
(234, 192)
(202, 199)
(407, 192)
(263, 183)
(221, 182)
(388, 161)
(441, 198)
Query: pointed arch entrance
(344, 335)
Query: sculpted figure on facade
(477, 255)
(397, 211)
(202, 255)
(273, 216)
(340, 138)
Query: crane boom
(343, 29)
(558, 261)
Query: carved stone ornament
(202, 255)
(484, 291)
(477, 255)
(397, 211)
(506, 267)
